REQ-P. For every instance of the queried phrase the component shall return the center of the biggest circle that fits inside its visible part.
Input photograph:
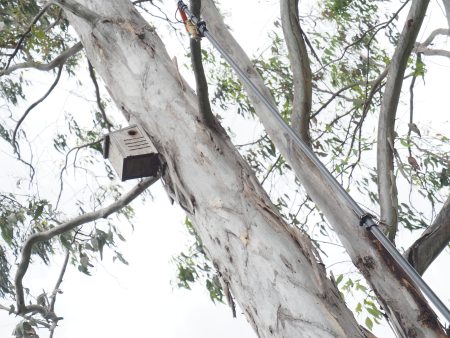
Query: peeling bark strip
(245, 237)
(393, 289)
(387, 187)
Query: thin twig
(58, 18)
(56, 290)
(58, 76)
(272, 167)
(109, 125)
(59, 280)
(64, 168)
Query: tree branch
(25, 114)
(422, 47)
(109, 125)
(27, 317)
(64, 168)
(201, 84)
(432, 36)
(63, 228)
(447, 10)
(59, 281)
(385, 169)
(301, 70)
(24, 35)
(79, 10)
(56, 290)
(431, 243)
(58, 61)
(432, 52)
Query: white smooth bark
(270, 267)
(406, 308)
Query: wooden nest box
(131, 153)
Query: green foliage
(44, 41)
(26, 329)
(194, 266)
(367, 306)
(11, 90)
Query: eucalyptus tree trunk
(269, 267)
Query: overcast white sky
(138, 300)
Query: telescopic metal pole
(366, 219)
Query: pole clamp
(364, 218)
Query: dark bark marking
(287, 264)
(251, 320)
(175, 187)
(230, 258)
(229, 297)
(283, 317)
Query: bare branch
(97, 96)
(447, 10)
(64, 168)
(56, 290)
(58, 61)
(386, 179)
(432, 36)
(59, 281)
(63, 228)
(271, 169)
(431, 243)
(432, 52)
(25, 114)
(423, 47)
(300, 66)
